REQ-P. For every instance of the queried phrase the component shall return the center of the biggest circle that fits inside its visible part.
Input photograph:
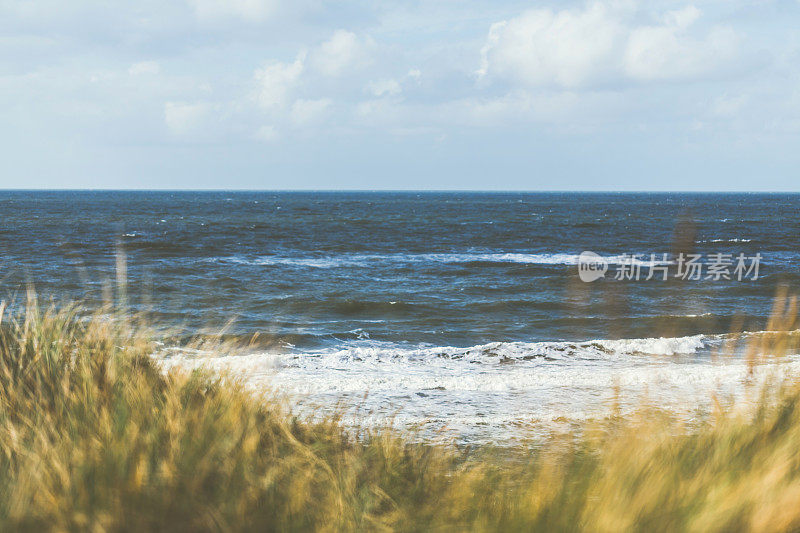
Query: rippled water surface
(463, 309)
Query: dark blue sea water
(350, 283)
(440, 268)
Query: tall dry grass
(95, 437)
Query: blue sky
(436, 94)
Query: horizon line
(411, 191)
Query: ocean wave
(489, 391)
(365, 355)
(375, 353)
(723, 240)
(460, 377)
(495, 391)
(506, 352)
(366, 260)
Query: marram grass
(95, 437)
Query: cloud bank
(267, 77)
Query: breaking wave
(366, 260)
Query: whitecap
(724, 240)
(365, 260)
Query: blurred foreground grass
(94, 436)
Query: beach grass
(95, 436)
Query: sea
(464, 314)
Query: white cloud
(304, 111)
(344, 50)
(279, 83)
(384, 87)
(252, 10)
(567, 109)
(267, 134)
(599, 43)
(144, 67)
(542, 47)
(300, 91)
(667, 51)
(183, 118)
(276, 80)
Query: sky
(435, 94)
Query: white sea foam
(323, 262)
(359, 357)
(660, 346)
(724, 240)
(495, 391)
(366, 260)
